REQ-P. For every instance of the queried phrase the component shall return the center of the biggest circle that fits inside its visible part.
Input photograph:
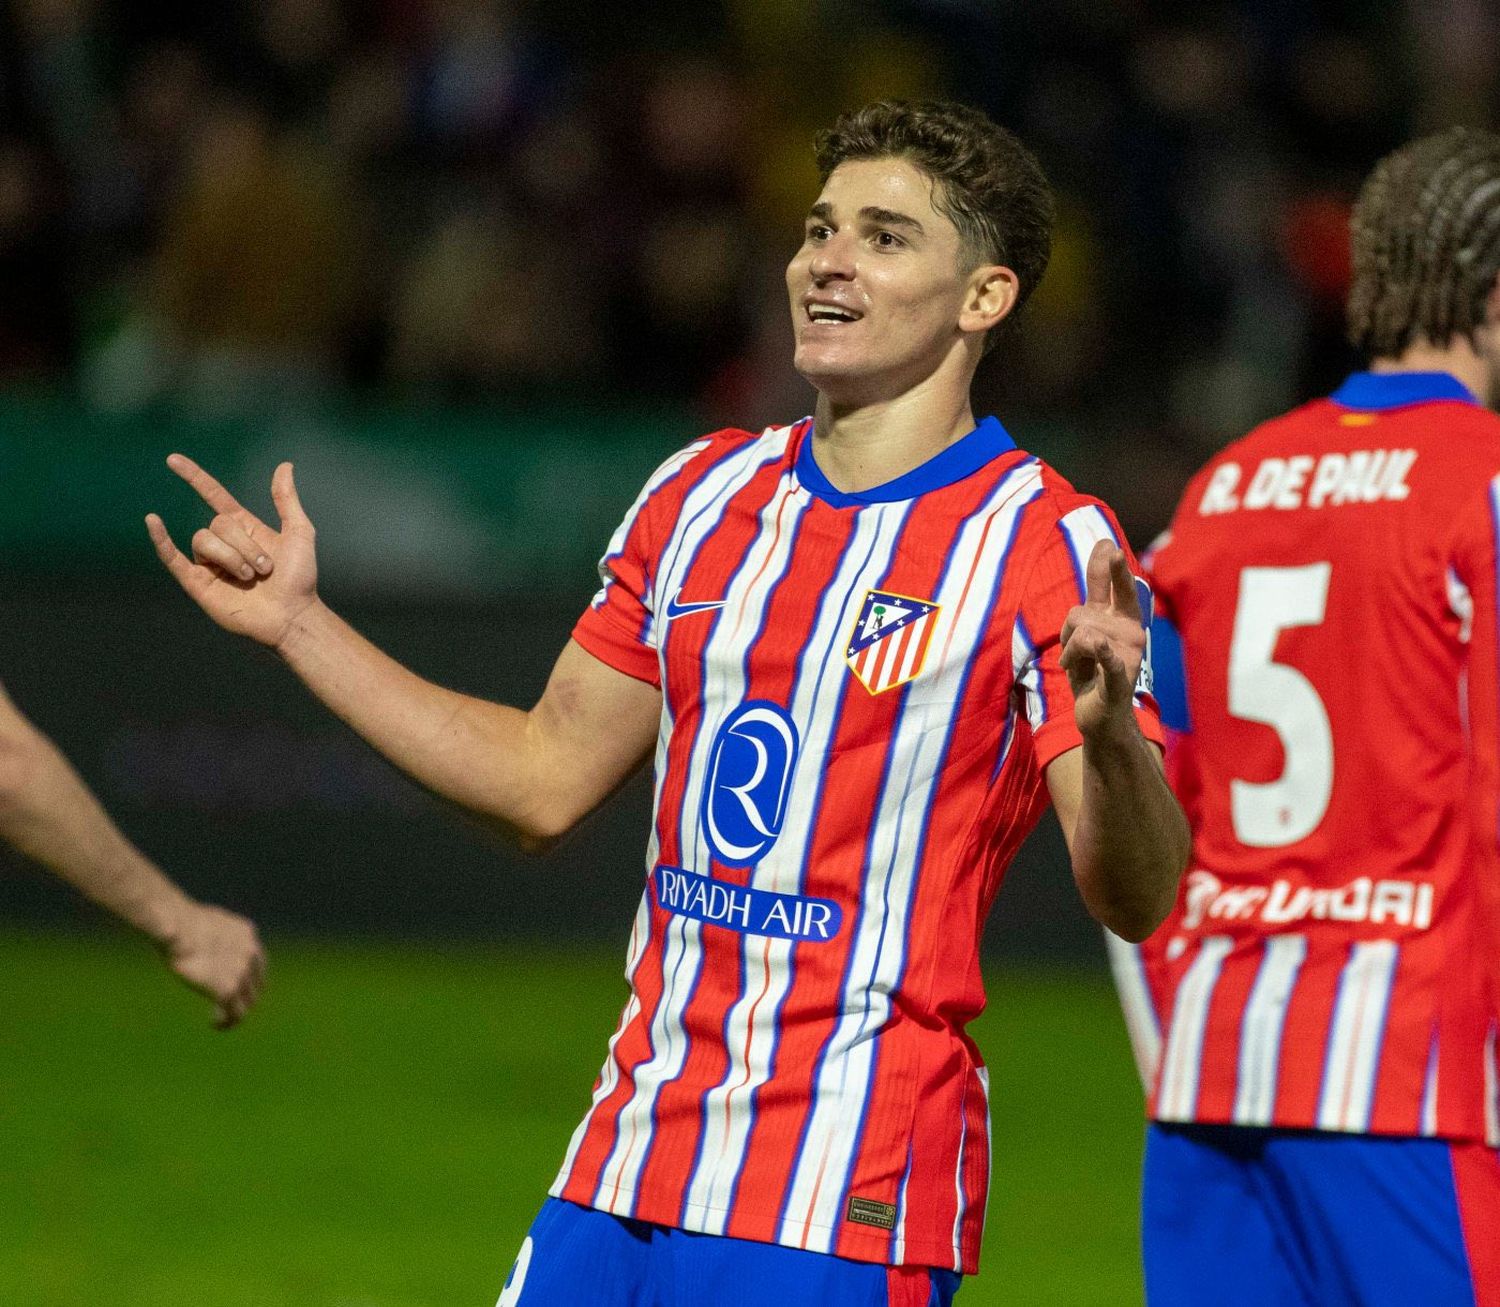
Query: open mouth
(831, 314)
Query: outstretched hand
(1103, 642)
(250, 579)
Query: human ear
(992, 293)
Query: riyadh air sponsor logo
(676, 608)
(749, 782)
(1378, 902)
(889, 642)
(745, 910)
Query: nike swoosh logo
(676, 610)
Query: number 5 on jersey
(1271, 814)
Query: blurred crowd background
(270, 203)
(478, 264)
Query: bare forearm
(467, 750)
(49, 814)
(1131, 841)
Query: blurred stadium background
(475, 265)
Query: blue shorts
(1245, 1217)
(575, 1255)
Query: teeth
(822, 313)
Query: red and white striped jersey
(1330, 963)
(860, 693)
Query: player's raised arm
(534, 773)
(49, 814)
(1126, 833)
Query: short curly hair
(992, 188)
(1425, 238)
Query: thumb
(288, 505)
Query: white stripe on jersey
(1355, 1034)
(871, 546)
(1141, 1022)
(669, 468)
(815, 1203)
(682, 952)
(1430, 1092)
(1026, 671)
(960, 1199)
(899, 1234)
(1177, 1096)
(1461, 604)
(1261, 1028)
(1491, 1092)
(989, 1153)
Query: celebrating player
(47, 813)
(864, 647)
(1317, 1018)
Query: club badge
(889, 642)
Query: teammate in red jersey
(1317, 1018)
(51, 816)
(864, 648)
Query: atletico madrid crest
(889, 643)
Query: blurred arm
(50, 815)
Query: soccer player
(49, 814)
(1317, 1018)
(864, 648)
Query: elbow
(541, 831)
(1137, 923)
(1134, 914)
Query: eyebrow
(871, 213)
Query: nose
(833, 260)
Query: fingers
(171, 557)
(230, 1010)
(288, 503)
(1097, 574)
(212, 493)
(1127, 598)
(232, 552)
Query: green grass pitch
(381, 1131)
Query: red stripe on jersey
(1404, 1049)
(1218, 1079)
(909, 1286)
(1304, 1035)
(1476, 1178)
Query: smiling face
(883, 293)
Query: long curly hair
(1426, 242)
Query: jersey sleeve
(619, 625)
(1054, 587)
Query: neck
(1458, 358)
(862, 445)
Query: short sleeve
(619, 626)
(1054, 587)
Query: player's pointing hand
(1103, 642)
(250, 579)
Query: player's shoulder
(688, 465)
(1056, 500)
(717, 446)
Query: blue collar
(1382, 390)
(962, 458)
